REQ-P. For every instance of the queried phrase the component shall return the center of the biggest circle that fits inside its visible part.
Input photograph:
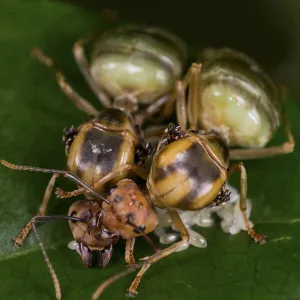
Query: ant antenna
(147, 238)
(67, 174)
(39, 219)
(47, 260)
(60, 193)
(49, 265)
(112, 279)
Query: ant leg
(163, 253)
(49, 265)
(285, 148)
(82, 62)
(181, 109)
(186, 112)
(47, 260)
(64, 173)
(112, 279)
(129, 258)
(18, 241)
(78, 100)
(178, 95)
(193, 96)
(258, 238)
(135, 168)
(169, 107)
(153, 109)
(131, 264)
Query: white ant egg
(73, 245)
(232, 221)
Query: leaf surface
(32, 115)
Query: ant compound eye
(86, 215)
(73, 215)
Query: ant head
(130, 213)
(91, 235)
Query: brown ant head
(92, 237)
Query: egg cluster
(231, 221)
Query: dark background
(267, 30)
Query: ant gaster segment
(237, 100)
(133, 67)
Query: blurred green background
(267, 30)
(33, 113)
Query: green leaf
(32, 115)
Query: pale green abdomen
(240, 120)
(238, 100)
(145, 61)
(118, 75)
